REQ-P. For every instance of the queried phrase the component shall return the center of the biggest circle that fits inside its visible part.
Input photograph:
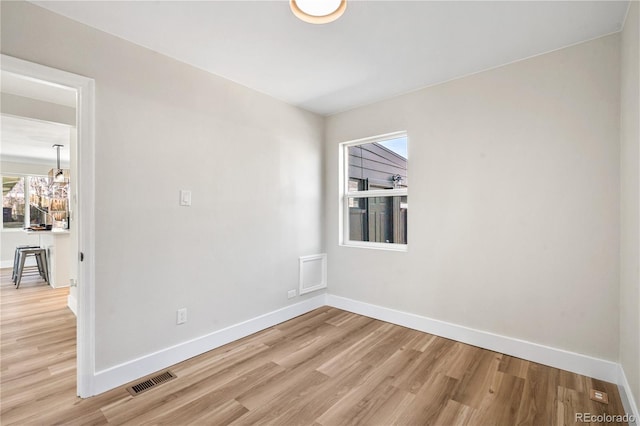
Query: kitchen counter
(52, 231)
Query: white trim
(375, 193)
(118, 375)
(375, 245)
(344, 194)
(132, 370)
(373, 139)
(323, 280)
(570, 361)
(72, 304)
(627, 397)
(9, 263)
(343, 214)
(85, 217)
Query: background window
(13, 202)
(33, 200)
(375, 189)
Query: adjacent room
(320, 212)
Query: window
(47, 202)
(13, 202)
(373, 192)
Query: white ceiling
(31, 141)
(378, 49)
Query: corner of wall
(629, 320)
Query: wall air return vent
(313, 273)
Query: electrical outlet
(291, 294)
(181, 316)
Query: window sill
(376, 246)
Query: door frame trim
(85, 216)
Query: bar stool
(41, 259)
(14, 274)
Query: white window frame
(345, 194)
(27, 194)
(27, 197)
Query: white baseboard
(577, 363)
(124, 373)
(72, 303)
(54, 285)
(570, 361)
(628, 400)
(9, 263)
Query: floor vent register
(144, 386)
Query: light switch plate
(181, 316)
(185, 197)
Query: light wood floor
(327, 367)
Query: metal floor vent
(141, 387)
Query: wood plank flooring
(327, 367)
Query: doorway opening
(40, 88)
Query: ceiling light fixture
(58, 175)
(318, 11)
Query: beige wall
(630, 202)
(9, 167)
(513, 203)
(253, 164)
(39, 110)
(514, 218)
